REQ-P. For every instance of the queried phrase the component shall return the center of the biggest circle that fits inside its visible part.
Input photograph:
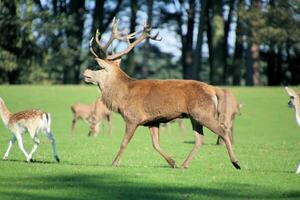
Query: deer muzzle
(89, 76)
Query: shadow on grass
(206, 144)
(108, 186)
(34, 161)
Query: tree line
(225, 42)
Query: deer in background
(151, 102)
(180, 125)
(226, 114)
(94, 114)
(32, 121)
(295, 104)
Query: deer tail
(47, 121)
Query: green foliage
(266, 144)
(8, 61)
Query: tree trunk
(147, 48)
(252, 74)
(196, 68)
(210, 42)
(130, 66)
(271, 67)
(225, 45)
(12, 34)
(188, 56)
(98, 16)
(77, 10)
(238, 51)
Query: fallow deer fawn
(94, 114)
(295, 104)
(151, 102)
(32, 121)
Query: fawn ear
(291, 92)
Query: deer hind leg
(109, 120)
(53, 142)
(214, 126)
(154, 130)
(130, 129)
(298, 169)
(198, 133)
(10, 144)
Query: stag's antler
(127, 37)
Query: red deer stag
(151, 102)
(94, 114)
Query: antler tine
(155, 37)
(91, 48)
(147, 30)
(114, 33)
(126, 37)
(144, 35)
(99, 43)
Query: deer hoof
(172, 163)
(114, 164)
(29, 160)
(57, 159)
(184, 167)
(236, 165)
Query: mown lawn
(267, 144)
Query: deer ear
(118, 61)
(101, 63)
(291, 92)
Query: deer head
(110, 63)
(294, 97)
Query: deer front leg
(11, 143)
(73, 125)
(154, 130)
(35, 146)
(130, 129)
(21, 146)
(198, 133)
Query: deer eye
(292, 97)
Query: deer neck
(4, 113)
(297, 111)
(114, 89)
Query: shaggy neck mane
(114, 89)
(4, 113)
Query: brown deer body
(93, 113)
(151, 102)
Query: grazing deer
(32, 121)
(226, 114)
(295, 104)
(151, 102)
(180, 124)
(94, 114)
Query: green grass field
(267, 144)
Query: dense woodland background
(229, 42)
